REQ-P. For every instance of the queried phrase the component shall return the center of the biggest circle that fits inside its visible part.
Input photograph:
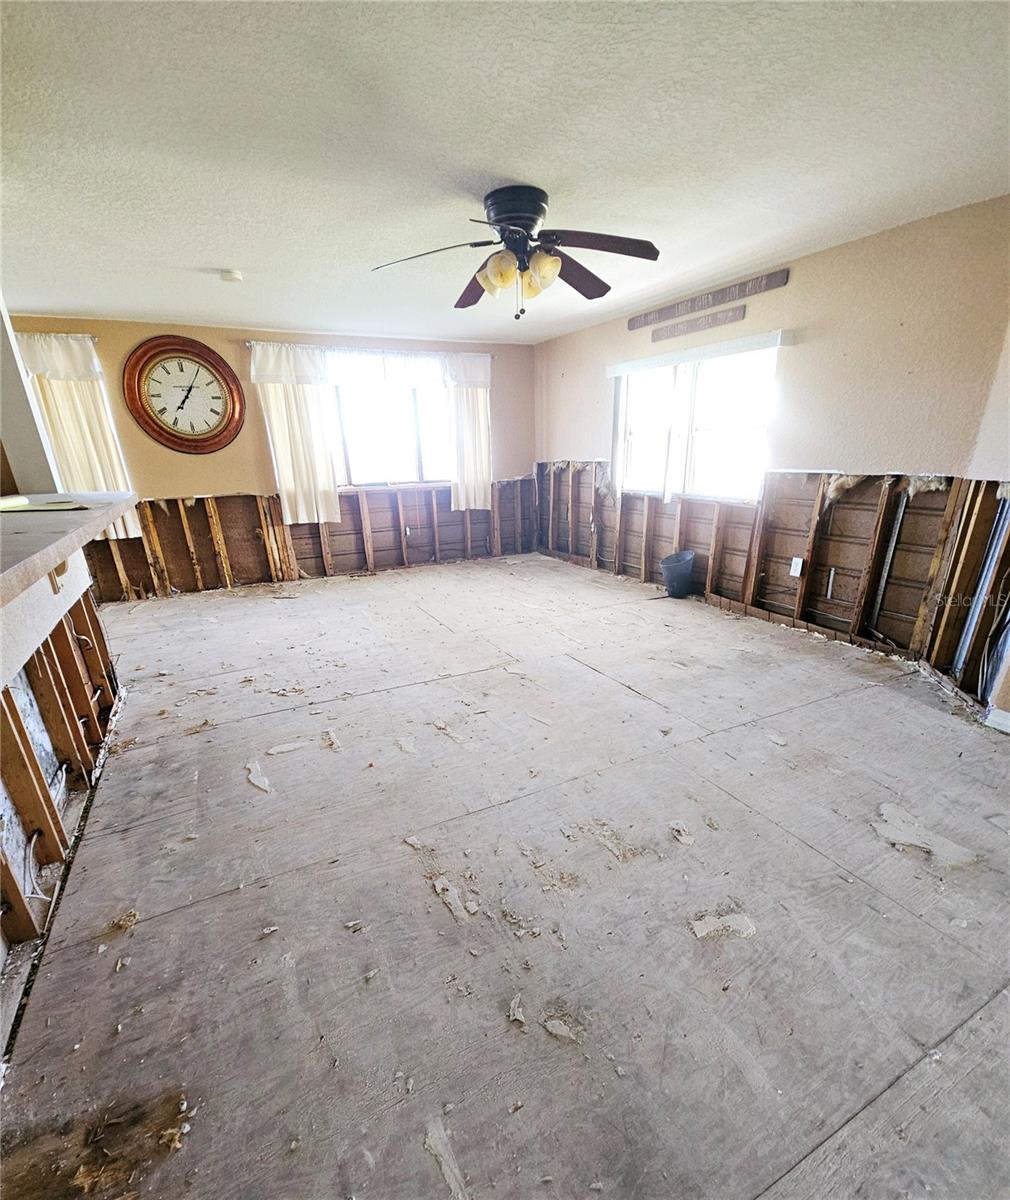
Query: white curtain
(303, 424)
(73, 407)
(468, 378)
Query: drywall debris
(436, 1142)
(903, 831)
(406, 745)
(515, 1106)
(450, 896)
(206, 723)
(353, 926)
(370, 975)
(414, 843)
(726, 917)
(516, 1009)
(330, 740)
(738, 924)
(289, 747)
(712, 823)
(838, 485)
(255, 776)
(471, 906)
(777, 739)
(559, 1029)
(681, 833)
(267, 931)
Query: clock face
(183, 394)
(185, 397)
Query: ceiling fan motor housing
(519, 205)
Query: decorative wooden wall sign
(726, 316)
(723, 295)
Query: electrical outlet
(796, 568)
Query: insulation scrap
(436, 1142)
(914, 484)
(838, 485)
(255, 776)
(289, 747)
(903, 831)
(516, 1009)
(450, 896)
(682, 834)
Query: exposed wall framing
(54, 717)
(882, 567)
(192, 545)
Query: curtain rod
(87, 337)
(370, 350)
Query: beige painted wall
(245, 465)
(896, 343)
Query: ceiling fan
(532, 257)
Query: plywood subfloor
(537, 728)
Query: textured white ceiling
(145, 144)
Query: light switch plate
(796, 567)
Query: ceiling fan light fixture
(544, 267)
(485, 282)
(501, 269)
(531, 287)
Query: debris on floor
(125, 921)
(436, 1142)
(681, 833)
(903, 831)
(289, 747)
(330, 740)
(559, 1029)
(610, 840)
(516, 1010)
(254, 774)
(450, 897)
(725, 918)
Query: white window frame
(680, 360)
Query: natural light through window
(697, 427)
(394, 409)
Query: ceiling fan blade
(581, 278)
(609, 242)
(425, 253)
(473, 290)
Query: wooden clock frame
(162, 347)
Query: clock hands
(188, 390)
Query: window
(697, 426)
(394, 409)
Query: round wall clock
(183, 394)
